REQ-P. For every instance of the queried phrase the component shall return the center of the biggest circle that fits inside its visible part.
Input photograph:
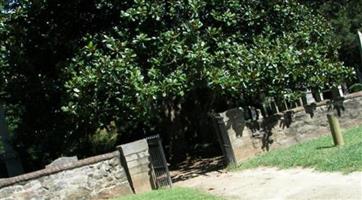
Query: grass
(171, 194)
(319, 154)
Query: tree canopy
(345, 17)
(80, 74)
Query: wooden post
(335, 129)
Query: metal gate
(161, 176)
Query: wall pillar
(135, 159)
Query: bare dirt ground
(194, 167)
(271, 183)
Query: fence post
(335, 130)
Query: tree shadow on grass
(325, 147)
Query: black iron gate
(161, 176)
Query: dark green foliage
(355, 87)
(345, 17)
(73, 69)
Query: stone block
(139, 162)
(134, 147)
(141, 182)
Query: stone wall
(249, 138)
(99, 177)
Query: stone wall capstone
(99, 177)
(249, 138)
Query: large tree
(345, 17)
(83, 73)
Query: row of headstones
(272, 106)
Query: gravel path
(271, 183)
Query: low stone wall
(249, 138)
(99, 177)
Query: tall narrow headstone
(274, 106)
(12, 162)
(337, 92)
(319, 96)
(309, 99)
(300, 101)
(340, 91)
(359, 69)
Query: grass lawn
(318, 154)
(171, 194)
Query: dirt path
(271, 183)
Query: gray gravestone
(359, 69)
(12, 162)
(319, 96)
(309, 97)
(337, 92)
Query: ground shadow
(325, 147)
(262, 129)
(337, 105)
(310, 109)
(193, 167)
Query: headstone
(340, 91)
(274, 106)
(359, 69)
(62, 161)
(300, 101)
(11, 159)
(319, 96)
(309, 97)
(285, 104)
(253, 113)
(337, 92)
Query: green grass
(171, 194)
(319, 154)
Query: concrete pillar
(135, 160)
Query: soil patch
(272, 183)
